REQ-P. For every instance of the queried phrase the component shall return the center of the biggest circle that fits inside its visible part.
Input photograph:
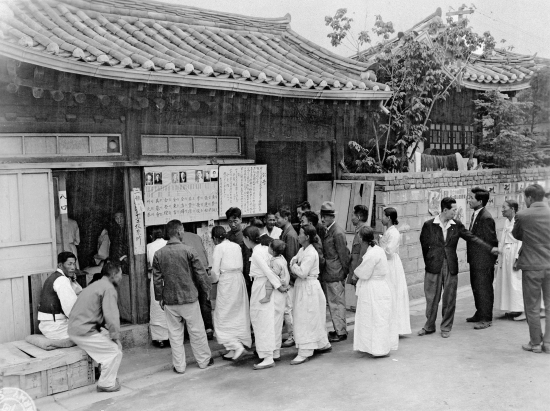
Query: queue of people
(253, 306)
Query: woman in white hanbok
(508, 288)
(374, 333)
(390, 244)
(309, 306)
(267, 317)
(232, 315)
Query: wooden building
(452, 120)
(94, 91)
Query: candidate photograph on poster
(158, 179)
(214, 175)
(206, 176)
(175, 178)
(183, 177)
(148, 179)
(199, 176)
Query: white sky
(523, 24)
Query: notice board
(185, 193)
(243, 186)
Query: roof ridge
(137, 7)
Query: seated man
(58, 297)
(94, 325)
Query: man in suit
(482, 262)
(532, 226)
(438, 239)
(337, 258)
(358, 247)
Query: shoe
(263, 367)
(115, 388)
(545, 349)
(482, 325)
(323, 350)
(230, 358)
(536, 348)
(277, 359)
(520, 317)
(331, 334)
(238, 352)
(445, 334)
(338, 338)
(299, 361)
(210, 334)
(176, 371)
(211, 362)
(472, 319)
(423, 331)
(288, 343)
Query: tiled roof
(503, 70)
(162, 43)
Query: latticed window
(450, 137)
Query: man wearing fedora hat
(337, 257)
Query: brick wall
(408, 194)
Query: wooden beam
(459, 12)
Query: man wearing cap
(337, 258)
(58, 297)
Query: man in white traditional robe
(157, 323)
(58, 296)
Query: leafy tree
(539, 95)
(420, 72)
(507, 138)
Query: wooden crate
(41, 373)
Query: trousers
(336, 299)
(481, 281)
(206, 310)
(191, 314)
(434, 284)
(105, 352)
(289, 320)
(532, 283)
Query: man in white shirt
(271, 228)
(58, 297)
(157, 323)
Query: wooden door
(27, 244)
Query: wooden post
(63, 208)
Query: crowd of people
(271, 275)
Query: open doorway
(92, 223)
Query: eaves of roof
(170, 44)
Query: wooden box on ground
(41, 373)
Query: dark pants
(533, 282)
(484, 296)
(433, 284)
(206, 310)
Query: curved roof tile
(503, 70)
(176, 45)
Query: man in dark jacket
(337, 258)
(358, 247)
(532, 226)
(482, 262)
(176, 270)
(235, 235)
(290, 238)
(438, 239)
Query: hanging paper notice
(138, 227)
(185, 193)
(434, 200)
(243, 186)
(460, 195)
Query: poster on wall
(434, 202)
(205, 233)
(185, 193)
(243, 186)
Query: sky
(525, 25)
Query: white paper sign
(243, 186)
(62, 195)
(185, 193)
(138, 227)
